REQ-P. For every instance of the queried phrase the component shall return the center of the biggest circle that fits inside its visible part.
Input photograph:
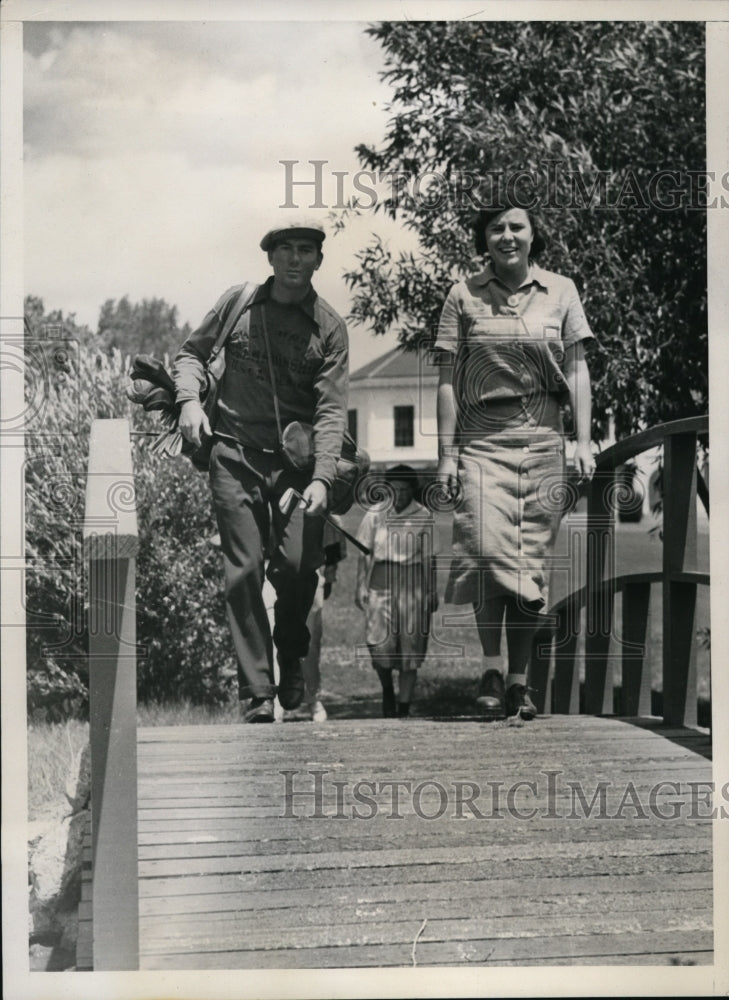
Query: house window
(352, 423)
(404, 417)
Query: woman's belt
(536, 412)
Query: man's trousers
(247, 485)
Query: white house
(392, 409)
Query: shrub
(180, 618)
(57, 441)
(181, 610)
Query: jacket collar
(308, 303)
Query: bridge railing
(111, 546)
(110, 549)
(584, 621)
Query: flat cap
(303, 229)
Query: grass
(185, 713)
(53, 753)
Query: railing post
(540, 679)
(110, 547)
(566, 684)
(636, 694)
(600, 593)
(679, 596)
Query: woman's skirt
(398, 615)
(506, 523)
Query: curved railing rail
(110, 549)
(589, 611)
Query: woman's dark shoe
(389, 705)
(403, 709)
(490, 697)
(519, 703)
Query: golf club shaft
(337, 527)
(351, 538)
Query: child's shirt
(405, 537)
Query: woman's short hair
(487, 215)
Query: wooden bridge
(574, 839)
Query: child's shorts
(398, 624)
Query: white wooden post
(110, 548)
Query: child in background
(396, 586)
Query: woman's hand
(360, 596)
(578, 379)
(447, 474)
(584, 461)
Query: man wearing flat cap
(286, 359)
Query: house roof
(397, 363)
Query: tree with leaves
(42, 325)
(71, 380)
(146, 327)
(603, 123)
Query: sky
(152, 157)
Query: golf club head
(289, 499)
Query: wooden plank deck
(550, 843)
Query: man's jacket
(309, 355)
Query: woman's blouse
(508, 344)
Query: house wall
(376, 426)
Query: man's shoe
(519, 703)
(291, 686)
(258, 710)
(490, 698)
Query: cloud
(243, 92)
(106, 92)
(153, 225)
(152, 155)
(142, 225)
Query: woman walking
(511, 343)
